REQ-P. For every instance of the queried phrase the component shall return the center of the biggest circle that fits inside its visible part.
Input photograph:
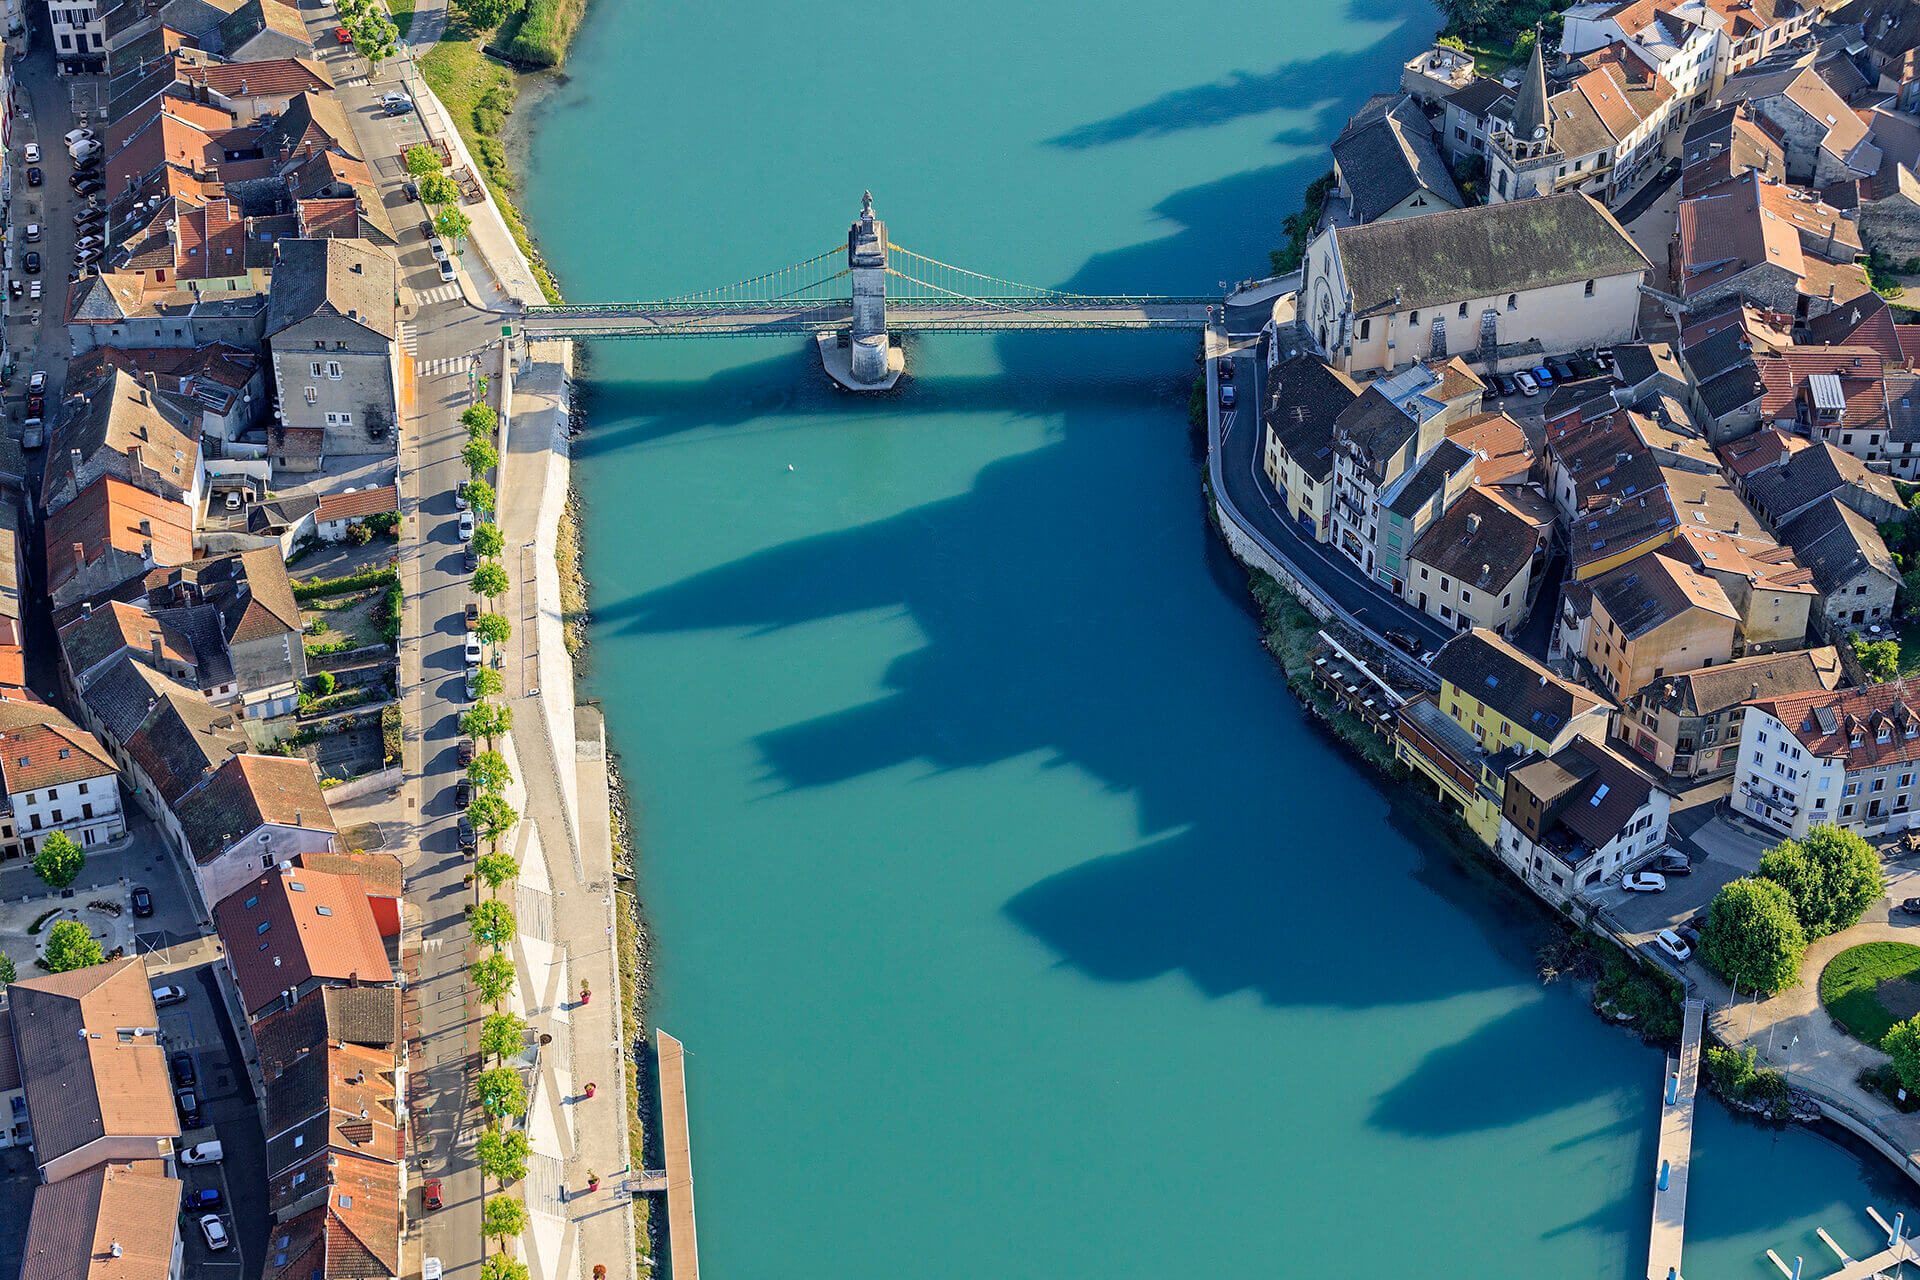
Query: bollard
(1899, 1221)
(1662, 1184)
(1673, 1089)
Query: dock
(1676, 1150)
(678, 1147)
(1899, 1249)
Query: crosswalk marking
(443, 293)
(449, 364)
(409, 339)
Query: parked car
(1697, 921)
(85, 185)
(1644, 882)
(1528, 385)
(142, 901)
(462, 794)
(343, 35)
(1911, 907)
(36, 408)
(1225, 369)
(1561, 370)
(469, 839)
(181, 1064)
(35, 177)
(88, 213)
(82, 134)
(86, 255)
(234, 500)
(37, 382)
(410, 189)
(466, 526)
(203, 1153)
(397, 104)
(1674, 945)
(447, 274)
(204, 1198)
(470, 561)
(85, 149)
(33, 233)
(475, 655)
(465, 753)
(189, 1108)
(1673, 864)
(33, 153)
(33, 263)
(460, 498)
(1543, 376)
(1508, 387)
(430, 1194)
(164, 996)
(473, 614)
(426, 229)
(439, 248)
(1227, 397)
(215, 1231)
(1581, 369)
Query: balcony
(1777, 803)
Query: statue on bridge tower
(867, 264)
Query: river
(1015, 920)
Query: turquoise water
(1016, 922)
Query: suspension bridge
(854, 296)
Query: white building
(57, 777)
(1848, 757)
(1577, 818)
(79, 29)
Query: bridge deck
(697, 320)
(1676, 1150)
(677, 1145)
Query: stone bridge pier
(869, 361)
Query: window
(1413, 317)
(1513, 302)
(1423, 574)
(1879, 784)
(1589, 288)
(333, 370)
(1846, 811)
(1365, 326)
(315, 369)
(313, 395)
(1463, 311)
(1852, 789)
(262, 927)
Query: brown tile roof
(1775, 675)
(363, 1015)
(1766, 448)
(117, 426)
(301, 924)
(358, 503)
(1652, 590)
(246, 793)
(267, 78)
(81, 1087)
(112, 1222)
(49, 750)
(1861, 711)
(354, 1236)
(380, 872)
(1501, 454)
(285, 1036)
(1486, 667)
(1480, 542)
(1592, 792)
(107, 517)
(1859, 369)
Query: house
(1856, 576)
(112, 423)
(356, 1233)
(1779, 493)
(1824, 138)
(95, 1075)
(249, 815)
(332, 334)
(161, 732)
(335, 1106)
(111, 533)
(237, 612)
(1842, 395)
(1689, 724)
(57, 777)
(112, 309)
(1386, 166)
(1600, 135)
(298, 450)
(1472, 115)
(1695, 44)
(1571, 820)
(79, 36)
(337, 511)
(295, 930)
(1476, 566)
(1725, 143)
(113, 1222)
(1305, 398)
(213, 391)
(1891, 33)
(1774, 596)
(1769, 244)
(1653, 615)
(1845, 756)
(1431, 76)
(380, 875)
(1505, 282)
(1719, 351)
(1495, 706)
(255, 88)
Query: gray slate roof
(1386, 154)
(1306, 396)
(1837, 544)
(346, 278)
(1486, 251)
(1783, 492)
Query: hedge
(320, 588)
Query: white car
(466, 526)
(203, 1153)
(234, 501)
(163, 996)
(439, 248)
(473, 650)
(33, 233)
(460, 497)
(1644, 882)
(214, 1230)
(81, 134)
(396, 103)
(446, 269)
(85, 149)
(1527, 385)
(33, 153)
(1674, 945)
(37, 384)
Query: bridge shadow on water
(1267, 861)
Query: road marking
(409, 339)
(444, 293)
(450, 364)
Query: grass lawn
(1492, 59)
(401, 11)
(1909, 646)
(1850, 987)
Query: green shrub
(1736, 1076)
(391, 732)
(1651, 1002)
(320, 588)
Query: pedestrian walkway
(446, 364)
(445, 293)
(409, 339)
(1676, 1151)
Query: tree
(485, 15)
(1881, 658)
(452, 224)
(491, 921)
(1468, 15)
(480, 420)
(60, 861)
(503, 1035)
(480, 457)
(493, 628)
(438, 188)
(502, 1156)
(492, 817)
(496, 868)
(486, 681)
(492, 977)
(1902, 1044)
(489, 774)
(500, 1266)
(503, 1218)
(490, 580)
(422, 160)
(1833, 876)
(501, 1092)
(486, 720)
(478, 494)
(1753, 937)
(375, 38)
(7, 972)
(488, 542)
(70, 946)
(324, 684)
(1908, 602)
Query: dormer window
(1883, 735)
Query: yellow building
(1495, 706)
(1304, 396)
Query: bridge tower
(869, 362)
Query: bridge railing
(1118, 302)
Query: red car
(343, 35)
(430, 1194)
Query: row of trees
(1758, 927)
(374, 36)
(437, 192)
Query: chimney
(74, 454)
(1473, 523)
(156, 650)
(79, 555)
(1756, 693)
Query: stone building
(1688, 724)
(332, 331)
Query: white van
(85, 149)
(204, 1153)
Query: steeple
(1530, 120)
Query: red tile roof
(361, 502)
(107, 517)
(287, 927)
